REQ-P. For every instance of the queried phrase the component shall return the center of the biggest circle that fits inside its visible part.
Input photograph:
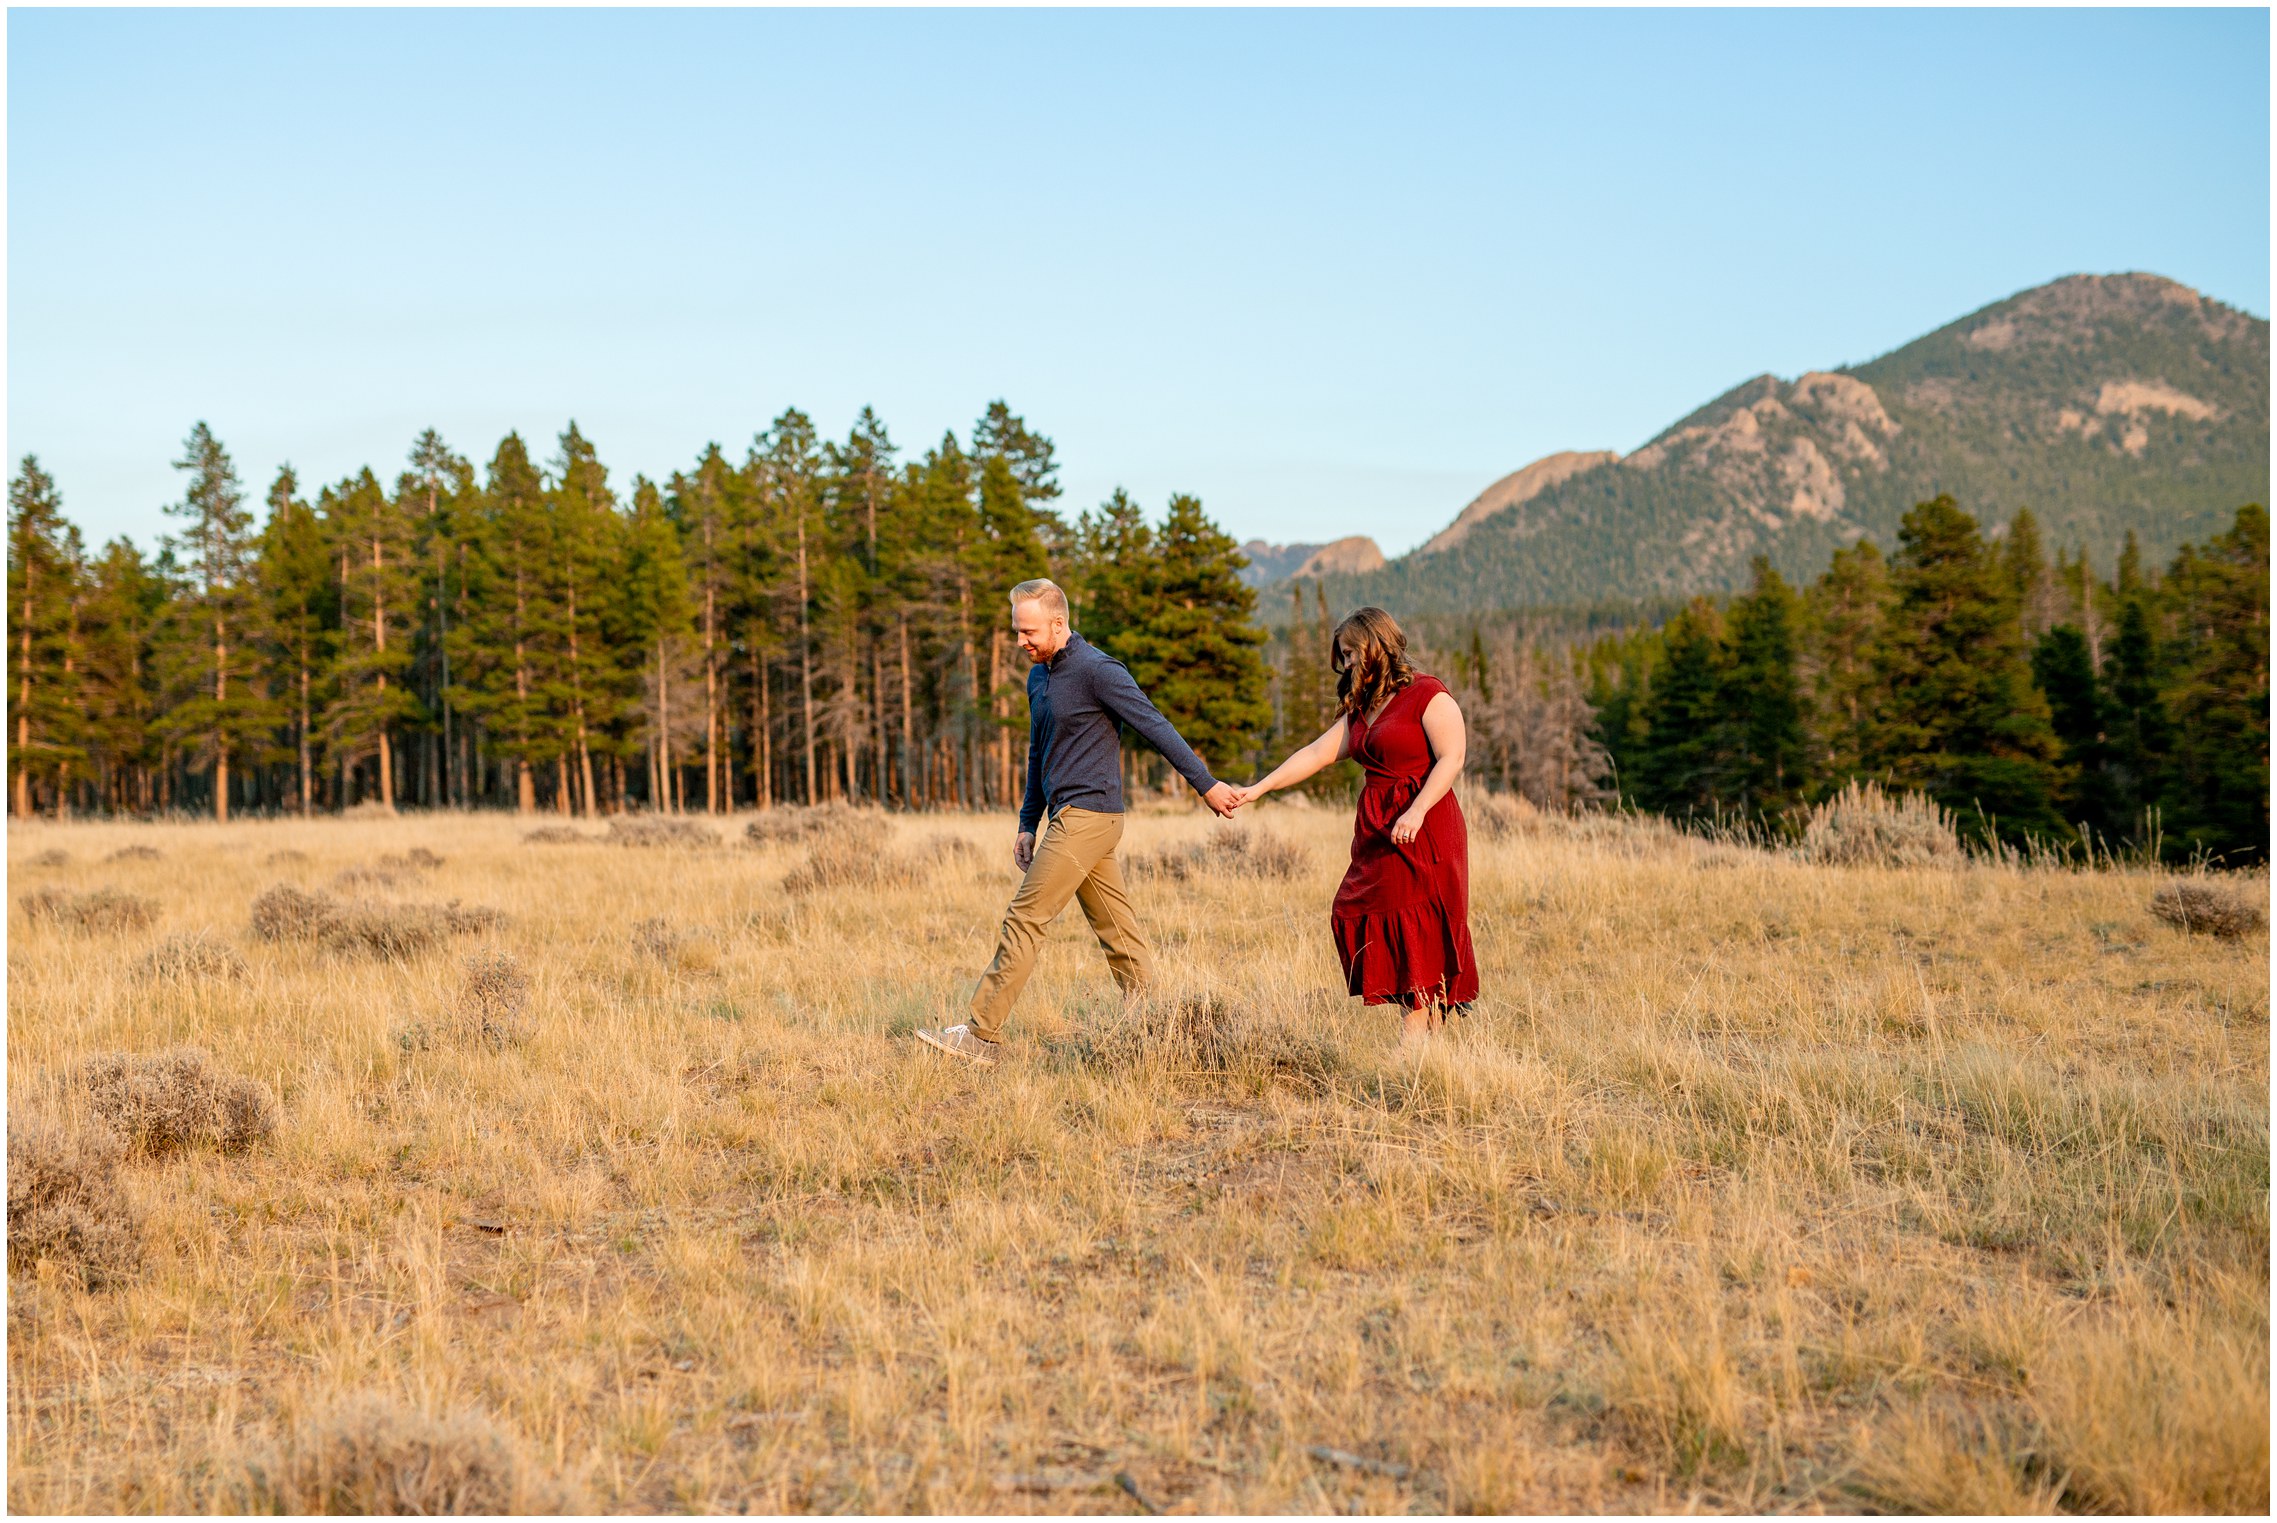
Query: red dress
(1402, 918)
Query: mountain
(2102, 402)
(1353, 555)
(1520, 486)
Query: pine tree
(1621, 668)
(1843, 615)
(2139, 739)
(372, 535)
(1686, 762)
(1108, 578)
(442, 482)
(1196, 651)
(586, 683)
(125, 602)
(500, 650)
(2217, 789)
(700, 501)
(208, 666)
(2024, 567)
(1958, 715)
(44, 576)
(655, 620)
(300, 620)
(2065, 675)
(1761, 701)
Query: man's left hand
(1221, 798)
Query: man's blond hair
(1042, 590)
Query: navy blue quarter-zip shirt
(1075, 757)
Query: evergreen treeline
(2032, 699)
(819, 621)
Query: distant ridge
(2103, 402)
(1353, 555)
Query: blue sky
(1331, 271)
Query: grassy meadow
(1750, 1185)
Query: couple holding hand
(1401, 920)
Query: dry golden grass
(1752, 1184)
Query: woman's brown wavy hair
(1370, 656)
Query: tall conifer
(1958, 715)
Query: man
(1077, 694)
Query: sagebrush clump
(64, 1202)
(96, 911)
(285, 913)
(1239, 853)
(661, 830)
(1203, 1035)
(2209, 909)
(493, 996)
(192, 958)
(845, 848)
(556, 835)
(161, 1103)
(792, 824)
(369, 1455)
(282, 912)
(1862, 826)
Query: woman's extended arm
(1443, 727)
(1333, 746)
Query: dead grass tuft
(662, 830)
(492, 998)
(367, 1454)
(282, 912)
(1864, 827)
(362, 876)
(845, 848)
(470, 919)
(1203, 1034)
(1942, 1458)
(65, 1206)
(96, 911)
(168, 1101)
(2208, 909)
(1496, 817)
(384, 930)
(135, 854)
(945, 850)
(792, 824)
(661, 940)
(556, 835)
(285, 913)
(192, 958)
(1234, 853)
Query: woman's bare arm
(1333, 746)
(1443, 727)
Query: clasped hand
(1223, 799)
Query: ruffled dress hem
(1391, 956)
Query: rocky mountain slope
(2103, 403)
(1354, 555)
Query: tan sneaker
(959, 1042)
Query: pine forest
(823, 621)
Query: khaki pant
(1075, 858)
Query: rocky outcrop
(1354, 555)
(1515, 490)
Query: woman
(1402, 917)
